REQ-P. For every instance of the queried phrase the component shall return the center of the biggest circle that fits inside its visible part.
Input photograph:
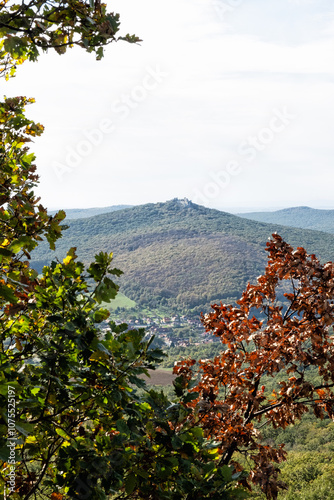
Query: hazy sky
(230, 104)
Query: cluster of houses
(171, 330)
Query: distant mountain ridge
(178, 254)
(302, 217)
(83, 213)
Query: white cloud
(225, 76)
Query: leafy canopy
(28, 28)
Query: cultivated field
(160, 377)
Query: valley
(177, 259)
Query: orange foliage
(281, 325)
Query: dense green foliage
(310, 476)
(303, 217)
(84, 429)
(215, 253)
(309, 469)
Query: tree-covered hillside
(303, 217)
(181, 255)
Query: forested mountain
(181, 255)
(303, 217)
(81, 213)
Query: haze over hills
(178, 254)
(303, 217)
(81, 213)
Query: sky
(227, 103)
